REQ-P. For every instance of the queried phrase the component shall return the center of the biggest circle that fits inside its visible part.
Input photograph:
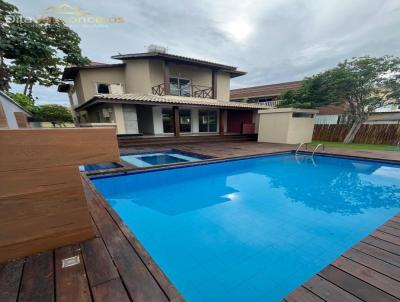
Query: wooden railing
(197, 91)
(158, 89)
(273, 104)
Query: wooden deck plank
(169, 289)
(368, 275)
(396, 219)
(94, 252)
(38, 279)
(357, 287)
(71, 282)
(10, 279)
(393, 224)
(382, 244)
(328, 291)
(110, 291)
(373, 263)
(387, 237)
(138, 280)
(389, 230)
(378, 253)
(302, 294)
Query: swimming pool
(149, 159)
(253, 229)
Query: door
(130, 119)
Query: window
(303, 114)
(103, 88)
(168, 121)
(185, 120)
(98, 117)
(180, 87)
(207, 121)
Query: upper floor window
(103, 88)
(180, 87)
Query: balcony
(189, 90)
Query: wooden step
(131, 141)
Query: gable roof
(70, 73)
(264, 90)
(135, 98)
(180, 59)
(5, 96)
(333, 109)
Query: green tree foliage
(25, 101)
(364, 84)
(38, 49)
(53, 113)
(6, 10)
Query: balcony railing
(197, 91)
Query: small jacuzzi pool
(100, 166)
(160, 158)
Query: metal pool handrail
(298, 148)
(319, 145)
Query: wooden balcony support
(167, 88)
(214, 84)
(175, 112)
(222, 117)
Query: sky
(272, 40)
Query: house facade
(157, 93)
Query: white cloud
(275, 40)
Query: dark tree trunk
(30, 89)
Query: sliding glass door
(180, 87)
(185, 120)
(208, 120)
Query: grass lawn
(355, 146)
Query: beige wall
(137, 76)
(198, 75)
(119, 118)
(87, 80)
(223, 86)
(278, 126)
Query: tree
(38, 49)
(25, 101)
(6, 11)
(364, 84)
(56, 114)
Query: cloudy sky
(273, 40)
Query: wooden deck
(115, 267)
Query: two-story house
(157, 93)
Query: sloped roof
(264, 90)
(181, 59)
(5, 96)
(70, 73)
(133, 98)
(333, 109)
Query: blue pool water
(160, 158)
(253, 229)
(100, 166)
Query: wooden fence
(42, 204)
(388, 134)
